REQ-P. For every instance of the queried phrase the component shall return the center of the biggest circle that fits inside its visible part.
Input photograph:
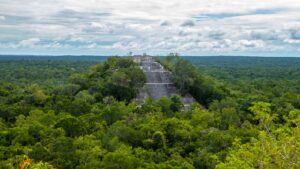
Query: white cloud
(188, 23)
(29, 42)
(292, 41)
(170, 25)
(165, 23)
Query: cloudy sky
(189, 27)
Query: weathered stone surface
(159, 82)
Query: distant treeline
(53, 58)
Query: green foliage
(72, 126)
(277, 150)
(262, 112)
(89, 120)
(176, 104)
(89, 152)
(114, 112)
(118, 85)
(159, 140)
(45, 71)
(189, 80)
(122, 158)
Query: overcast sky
(189, 27)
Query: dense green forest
(79, 113)
(44, 70)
